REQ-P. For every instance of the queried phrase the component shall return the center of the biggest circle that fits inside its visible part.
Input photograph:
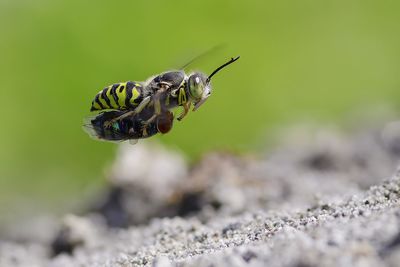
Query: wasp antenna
(221, 67)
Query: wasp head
(199, 89)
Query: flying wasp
(162, 92)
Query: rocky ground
(322, 198)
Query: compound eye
(196, 86)
(195, 81)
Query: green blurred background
(311, 59)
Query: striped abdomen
(119, 96)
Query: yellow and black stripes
(119, 96)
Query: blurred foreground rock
(321, 199)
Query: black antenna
(221, 67)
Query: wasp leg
(144, 132)
(186, 108)
(152, 118)
(157, 106)
(138, 109)
(157, 110)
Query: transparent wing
(202, 56)
(133, 141)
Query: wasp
(129, 128)
(162, 93)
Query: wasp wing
(133, 141)
(206, 54)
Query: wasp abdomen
(121, 96)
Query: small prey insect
(129, 128)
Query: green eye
(196, 86)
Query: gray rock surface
(327, 199)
